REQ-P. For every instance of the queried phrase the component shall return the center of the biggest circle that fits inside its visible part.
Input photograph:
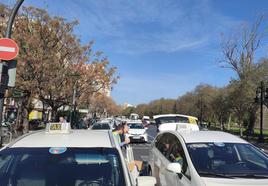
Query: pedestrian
(62, 120)
(119, 131)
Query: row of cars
(181, 155)
(137, 130)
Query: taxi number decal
(55, 127)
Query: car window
(232, 159)
(249, 154)
(177, 155)
(135, 126)
(75, 166)
(171, 119)
(164, 144)
(101, 126)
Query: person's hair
(123, 123)
(120, 127)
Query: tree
(50, 56)
(238, 54)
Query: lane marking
(7, 49)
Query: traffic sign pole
(8, 35)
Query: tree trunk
(229, 121)
(241, 129)
(252, 120)
(54, 113)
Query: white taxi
(137, 132)
(173, 121)
(60, 156)
(206, 158)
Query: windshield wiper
(210, 174)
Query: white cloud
(141, 26)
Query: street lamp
(262, 98)
(8, 35)
(76, 76)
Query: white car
(173, 122)
(61, 156)
(101, 126)
(206, 158)
(146, 120)
(137, 132)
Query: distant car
(137, 132)
(101, 126)
(134, 116)
(146, 120)
(34, 124)
(173, 122)
(206, 158)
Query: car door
(155, 156)
(177, 155)
(161, 160)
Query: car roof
(134, 121)
(76, 138)
(209, 136)
(172, 115)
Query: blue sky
(162, 48)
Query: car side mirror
(174, 167)
(146, 180)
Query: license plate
(136, 137)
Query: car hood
(234, 182)
(136, 131)
(178, 126)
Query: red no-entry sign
(8, 49)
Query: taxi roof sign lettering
(58, 128)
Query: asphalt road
(141, 150)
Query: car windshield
(72, 166)
(135, 126)
(101, 126)
(228, 159)
(171, 119)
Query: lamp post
(76, 76)
(261, 98)
(8, 35)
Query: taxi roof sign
(180, 127)
(58, 128)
